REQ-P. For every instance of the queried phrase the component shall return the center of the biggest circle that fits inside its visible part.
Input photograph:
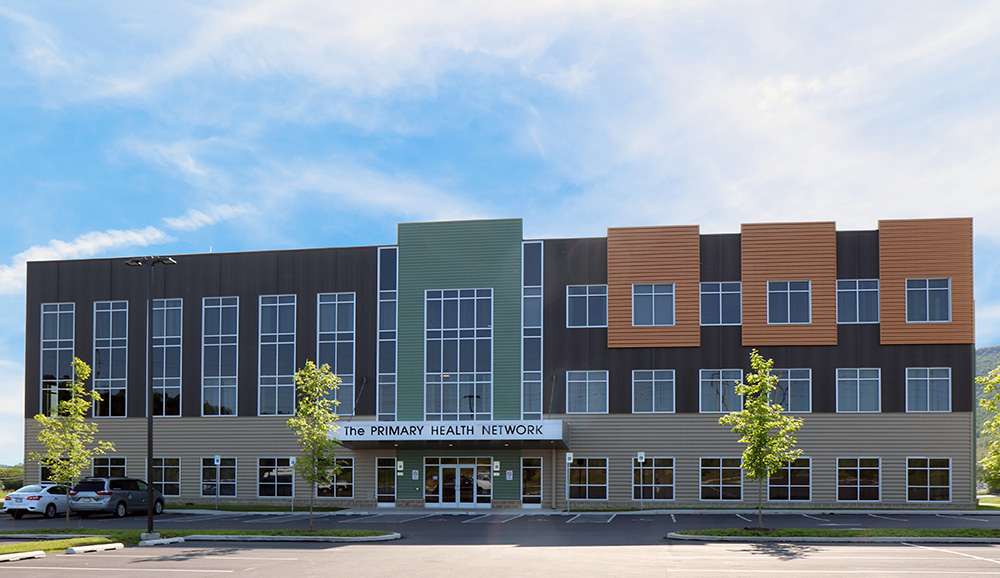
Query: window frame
(345, 464)
(927, 394)
(227, 463)
(856, 469)
(702, 486)
(788, 390)
(652, 303)
(929, 487)
(926, 291)
(108, 467)
(653, 382)
(338, 338)
(58, 387)
(721, 393)
(789, 486)
(160, 468)
(588, 381)
(586, 467)
(262, 468)
(284, 383)
(586, 297)
(719, 295)
(650, 465)
(788, 291)
(205, 306)
(162, 344)
(857, 290)
(114, 346)
(856, 380)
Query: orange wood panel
(789, 252)
(654, 255)
(926, 249)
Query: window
(386, 354)
(653, 479)
(385, 480)
(220, 340)
(794, 389)
(335, 347)
(167, 318)
(276, 378)
(57, 354)
(108, 467)
(586, 392)
(275, 477)
(858, 390)
(586, 306)
(858, 479)
(167, 476)
(531, 481)
(340, 482)
(720, 304)
(928, 389)
(653, 391)
(110, 357)
(788, 302)
(531, 331)
(218, 480)
(588, 479)
(928, 300)
(718, 390)
(459, 354)
(721, 479)
(928, 479)
(652, 304)
(857, 301)
(790, 482)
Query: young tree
(67, 435)
(768, 435)
(314, 424)
(989, 466)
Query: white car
(46, 498)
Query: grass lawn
(871, 533)
(51, 545)
(131, 537)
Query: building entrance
(458, 482)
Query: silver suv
(118, 496)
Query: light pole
(149, 262)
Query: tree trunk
(760, 504)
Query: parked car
(117, 496)
(46, 498)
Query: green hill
(987, 359)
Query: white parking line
(744, 518)
(476, 518)
(418, 518)
(961, 518)
(888, 518)
(511, 518)
(814, 518)
(952, 552)
(673, 519)
(212, 556)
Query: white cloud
(195, 219)
(12, 388)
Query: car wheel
(121, 510)
(158, 507)
(50, 511)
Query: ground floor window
(588, 479)
(721, 479)
(218, 479)
(653, 479)
(453, 481)
(928, 479)
(790, 482)
(385, 480)
(167, 476)
(275, 477)
(340, 481)
(531, 481)
(858, 479)
(108, 467)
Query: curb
(22, 556)
(94, 548)
(160, 541)
(238, 538)
(845, 540)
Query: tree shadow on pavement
(782, 551)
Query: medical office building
(484, 370)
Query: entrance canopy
(513, 433)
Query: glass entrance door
(457, 482)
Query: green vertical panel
(413, 459)
(502, 489)
(406, 487)
(460, 255)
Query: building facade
(484, 370)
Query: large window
(652, 304)
(220, 336)
(275, 477)
(335, 347)
(586, 392)
(167, 476)
(858, 390)
(857, 301)
(790, 482)
(721, 479)
(57, 354)
(928, 300)
(588, 479)
(653, 479)
(387, 300)
(276, 378)
(531, 331)
(110, 357)
(718, 390)
(720, 303)
(108, 467)
(459, 354)
(586, 306)
(167, 320)
(928, 479)
(788, 302)
(340, 482)
(858, 479)
(653, 391)
(794, 389)
(928, 389)
(218, 479)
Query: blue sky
(143, 127)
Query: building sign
(397, 431)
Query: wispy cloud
(196, 219)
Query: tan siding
(926, 248)
(789, 252)
(654, 255)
